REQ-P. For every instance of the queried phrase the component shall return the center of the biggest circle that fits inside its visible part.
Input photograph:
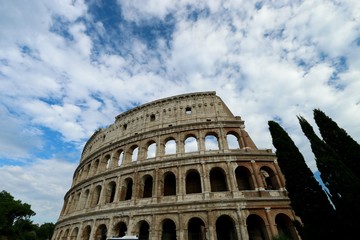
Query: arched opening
(86, 172)
(190, 144)
(66, 233)
(111, 190)
(243, 179)
(96, 166)
(144, 230)
(107, 161)
(232, 141)
(84, 199)
(285, 227)
(256, 228)
(170, 147)
(148, 186)
(151, 150)
(74, 233)
(218, 180)
(96, 196)
(75, 203)
(101, 232)
(196, 229)
(211, 142)
(126, 190)
(120, 229)
(193, 182)
(58, 237)
(269, 178)
(86, 233)
(168, 230)
(169, 184)
(225, 228)
(120, 157)
(134, 153)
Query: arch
(193, 182)
(211, 142)
(190, 144)
(120, 229)
(87, 171)
(170, 146)
(285, 226)
(101, 232)
(218, 180)
(144, 230)
(86, 232)
(107, 161)
(110, 192)
(256, 228)
(134, 153)
(232, 139)
(96, 196)
(84, 199)
(74, 202)
(151, 150)
(148, 186)
(225, 228)
(169, 184)
(168, 230)
(58, 237)
(269, 178)
(95, 166)
(126, 191)
(119, 156)
(243, 179)
(65, 235)
(74, 233)
(196, 229)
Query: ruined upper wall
(173, 111)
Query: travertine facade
(177, 168)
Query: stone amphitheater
(182, 167)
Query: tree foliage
(337, 138)
(15, 223)
(304, 190)
(343, 185)
(337, 158)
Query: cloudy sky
(69, 67)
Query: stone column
(201, 142)
(270, 224)
(258, 181)
(230, 176)
(280, 177)
(242, 225)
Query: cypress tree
(343, 185)
(337, 138)
(308, 199)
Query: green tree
(13, 213)
(308, 199)
(45, 231)
(337, 138)
(343, 185)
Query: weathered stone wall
(179, 167)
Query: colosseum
(181, 168)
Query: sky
(69, 67)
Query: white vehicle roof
(123, 238)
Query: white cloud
(42, 184)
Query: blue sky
(69, 67)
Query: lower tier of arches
(213, 224)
